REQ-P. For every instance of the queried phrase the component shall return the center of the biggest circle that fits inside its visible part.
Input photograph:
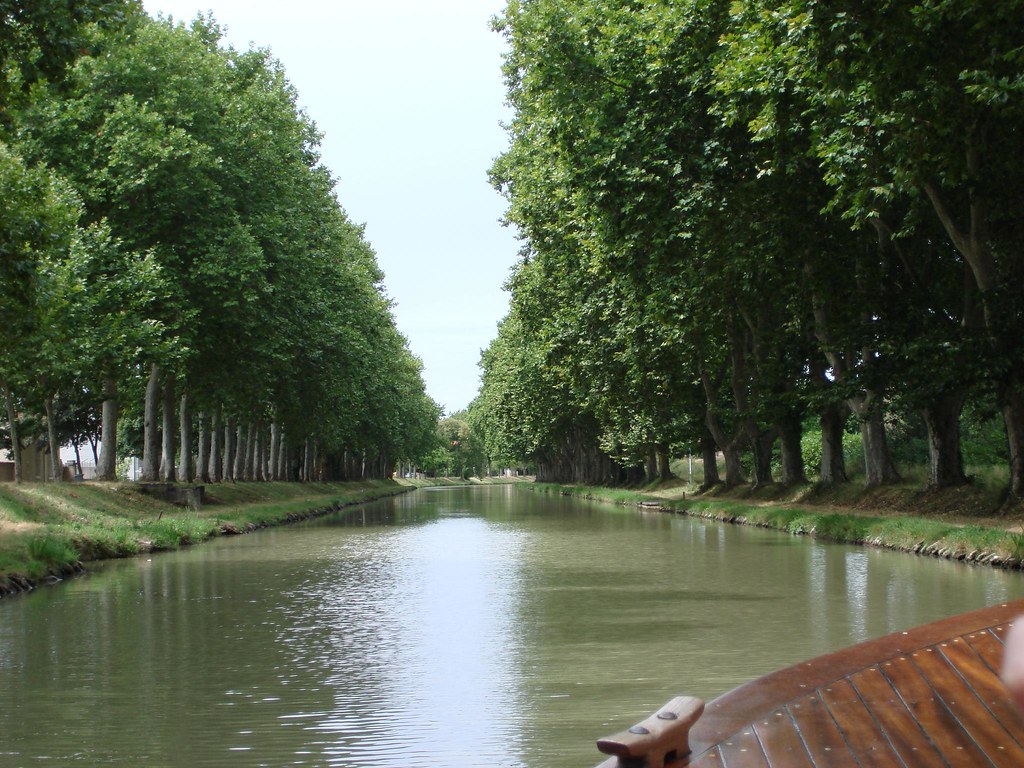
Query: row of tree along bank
(177, 278)
(739, 218)
(48, 531)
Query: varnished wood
(988, 733)
(943, 729)
(743, 750)
(981, 677)
(864, 739)
(662, 737)
(822, 737)
(988, 647)
(781, 741)
(908, 739)
(929, 696)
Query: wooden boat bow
(927, 696)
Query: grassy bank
(993, 540)
(48, 529)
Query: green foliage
(167, 207)
(736, 217)
(38, 225)
(984, 439)
(39, 39)
(459, 449)
(810, 446)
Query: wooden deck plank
(710, 759)
(821, 737)
(943, 729)
(985, 684)
(988, 647)
(976, 719)
(865, 740)
(743, 750)
(905, 734)
(781, 741)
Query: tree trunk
(229, 450)
(78, 459)
(790, 434)
(247, 458)
(733, 467)
(239, 464)
(761, 445)
(12, 423)
(833, 462)
(1013, 416)
(730, 449)
(275, 450)
(878, 463)
(1012, 403)
(945, 459)
(1011, 399)
(185, 456)
(150, 431)
(167, 468)
(106, 467)
(259, 468)
(213, 474)
(651, 466)
(203, 452)
(664, 463)
(282, 459)
(709, 454)
(51, 439)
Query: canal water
(488, 626)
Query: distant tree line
(459, 450)
(740, 218)
(173, 260)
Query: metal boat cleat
(661, 738)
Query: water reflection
(470, 628)
(857, 594)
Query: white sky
(409, 96)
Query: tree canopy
(739, 216)
(177, 259)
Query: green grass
(613, 495)
(48, 528)
(989, 543)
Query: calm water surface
(466, 627)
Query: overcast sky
(409, 96)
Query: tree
(908, 104)
(37, 228)
(39, 40)
(198, 157)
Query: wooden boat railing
(927, 696)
